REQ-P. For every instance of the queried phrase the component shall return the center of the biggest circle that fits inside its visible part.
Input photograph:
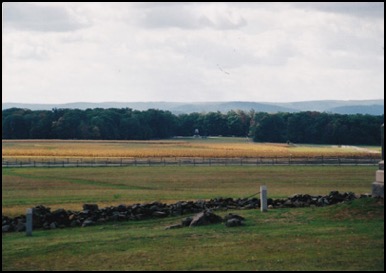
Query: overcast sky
(192, 52)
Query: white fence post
(28, 225)
(263, 199)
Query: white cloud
(191, 16)
(65, 52)
(357, 9)
(27, 16)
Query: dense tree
(317, 128)
(238, 123)
(68, 125)
(188, 123)
(271, 128)
(125, 123)
(41, 125)
(215, 123)
(16, 123)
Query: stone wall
(44, 218)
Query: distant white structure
(196, 133)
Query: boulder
(6, 228)
(90, 207)
(20, 226)
(233, 216)
(186, 222)
(205, 218)
(159, 214)
(87, 223)
(234, 222)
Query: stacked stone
(91, 214)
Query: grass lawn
(70, 188)
(345, 237)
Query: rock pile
(91, 214)
(306, 200)
(207, 217)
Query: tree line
(129, 124)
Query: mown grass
(70, 188)
(341, 237)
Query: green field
(345, 237)
(342, 237)
(70, 188)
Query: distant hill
(227, 106)
(330, 105)
(371, 107)
(375, 110)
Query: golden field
(185, 147)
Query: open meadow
(348, 236)
(70, 188)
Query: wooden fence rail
(183, 161)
